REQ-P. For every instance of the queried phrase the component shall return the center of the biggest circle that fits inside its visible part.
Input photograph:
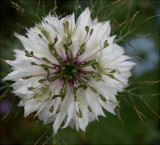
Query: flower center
(69, 69)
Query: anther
(113, 71)
(103, 98)
(111, 76)
(40, 36)
(44, 32)
(82, 86)
(70, 42)
(89, 108)
(58, 110)
(44, 66)
(79, 114)
(45, 59)
(67, 23)
(93, 89)
(27, 77)
(89, 63)
(33, 63)
(27, 53)
(55, 40)
(91, 32)
(87, 29)
(42, 80)
(97, 77)
(105, 43)
(30, 88)
(82, 49)
(31, 53)
(51, 109)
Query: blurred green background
(137, 121)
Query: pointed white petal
(92, 100)
(71, 112)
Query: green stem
(64, 89)
(84, 83)
(55, 76)
(67, 48)
(82, 66)
(81, 81)
(51, 49)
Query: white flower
(69, 71)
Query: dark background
(140, 120)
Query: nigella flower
(69, 71)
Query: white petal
(92, 100)
(71, 111)
(84, 19)
(63, 112)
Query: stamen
(55, 40)
(67, 48)
(33, 63)
(78, 111)
(55, 96)
(66, 27)
(91, 32)
(87, 28)
(89, 108)
(81, 50)
(31, 54)
(75, 96)
(39, 94)
(45, 33)
(31, 88)
(55, 76)
(27, 53)
(51, 109)
(81, 81)
(54, 53)
(45, 59)
(106, 43)
(79, 114)
(67, 24)
(44, 66)
(96, 76)
(82, 47)
(42, 81)
(93, 89)
(27, 77)
(58, 110)
(82, 86)
(64, 89)
(111, 76)
(102, 98)
(40, 36)
(88, 63)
